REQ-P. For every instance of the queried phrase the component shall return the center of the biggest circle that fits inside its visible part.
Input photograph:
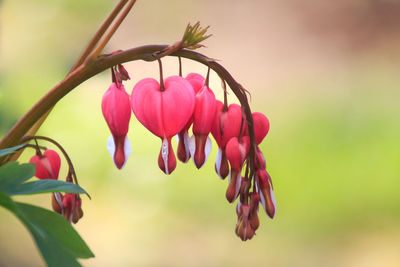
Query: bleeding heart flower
(261, 126)
(243, 226)
(197, 82)
(227, 123)
(47, 165)
(264, 184)
(236, 153)
(164, 113)
(72, 210)
(203, 119)
(253, 216)
(117, 112)
(259, 160)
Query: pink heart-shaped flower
(164, 113)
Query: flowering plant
(167, 108)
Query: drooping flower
(243, 226)
(253, 216)
(197, 82)
(47, 165)
(267, 197)
(164, 112)
(227, 124)
(259, 160)
(261, 126)
(203, 119)
(72, 210)
(236, 153)
(117, 113)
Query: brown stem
(180, 66)
(107, 38)
(100, 32)
(84, 72)
(162, 88)
(207, 77)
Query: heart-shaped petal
(164, 113)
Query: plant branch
(100, 32)
(107, 38)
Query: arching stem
(84, 72)
(67, 158)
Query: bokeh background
(326, 73)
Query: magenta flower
(71, 209)
(261, 126)
(226, 125)
(163, 112)
(117, 113)
(47, 165)
(203, 119)
(236, 153)
(264, 185)
(197, 82)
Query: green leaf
(10, 150)
(13, 173)
(45, 186)
(12, 176)
(56, 239)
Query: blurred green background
(326, 74)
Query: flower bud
(47, 165)
(117, 113)
(197, 82)
(243, 227)
(226, 125)
(236, 153)
(267, 197)
(72, 207)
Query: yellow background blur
(326, 74)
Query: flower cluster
(174, 105)
(48, 167)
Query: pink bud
(203, 118)
(197, 82)
(72, 207)
(259, 160)
(266, 192)
(261, 126)
(164, 113)
(236, 153)
(243, 227)
(226, 125)
(253, 216)
(117, 113)
(47, 165)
